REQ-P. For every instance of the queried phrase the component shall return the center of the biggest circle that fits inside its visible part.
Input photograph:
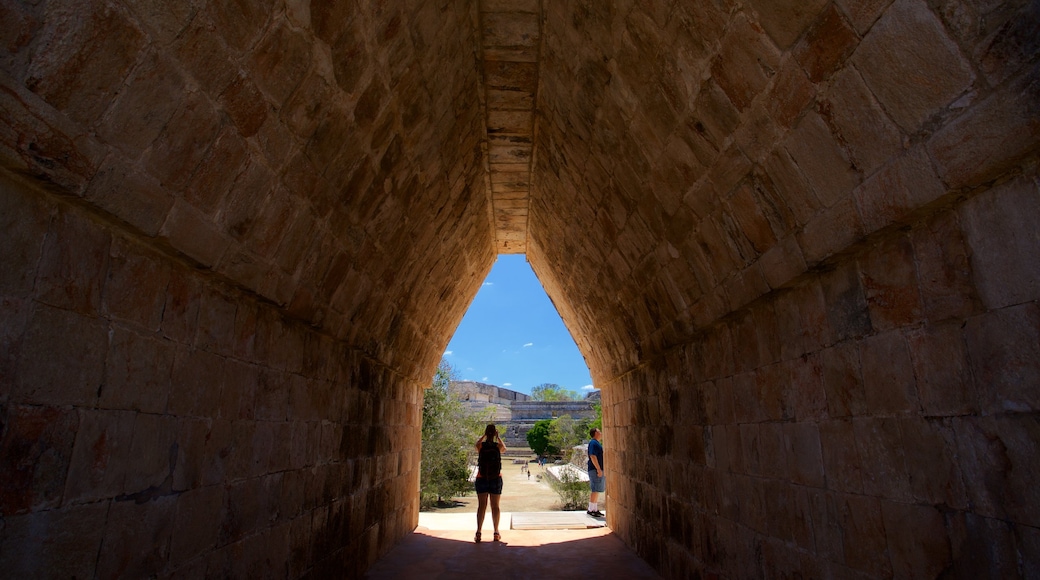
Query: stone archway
(794, 241)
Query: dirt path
(519, 493)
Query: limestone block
(944, 381)
(861, 123)
(35, 452)
(239, 24)
(847, 307)
(841, 461)
(930, 448)
(827, 44)
(54, 542)
(191, 468)
(918, 545)
(137, 538)
(173, 157)
(831, 231)
(995, 556)
(84, 52)
(216, 323)
(242, 512)
(911, 65)
(746, 62)
(880, 445)
(190, 232)
(217, 170)
(154, 454)
(72, 265)
(194, 384)
(822, 159)
(99, 458)
(195, 523)
(807, 395)
(889, 384)
(863, 13)
(944, 269)
(181, 311)
(135, 285)
(782, 174)
(144, 106)
(863, 533)
(804, 454)
(1004, 350)
(790, 94)
(890, 285)
(205, 56)
(1002, 448)
(245, 104)
(23, 226)
(785, 21)
(74, 377)
(1003, 242)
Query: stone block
(782, 263)
(272, 395)
(237, 397)
(192, 233)
(804, 453)
(842, 465)
(1004, 350)
(944, 269)
(85, 53)
(822, 158)
(786, 21)
(217, 170)
(807, 395)
(195, 523)
(72, 266)
(791, 93)
(144, 106)
(863, 534)
(99, 458)
(153, 455)
(997, 462)
(54, 543)
(918, 546)
(195, 383)
(14, 312)
(871, 136)
(181, 311)
(135, 287)
(36, 448)
(191, 469)
(981, 547)
(242, 511)
(847, 311)
(930, 447)
(863, 13)
(994, 136)
(246, 106)
(745, 63)
(137, 538)
(173, 157)
(205, 56)
(1005, 251)
(911, 65)
(827, 44)
(944, 380)
(889, 277)
(831, 231)
(63, 359)
(216, 330)
(889, 384)
(239, 24)
(894, 192)
(23, 229)
(880, 445)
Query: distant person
(597, 479)
(489, 478)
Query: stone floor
(442, 547)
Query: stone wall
(791, 240)
(156, 421)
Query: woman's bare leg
(496, 511)
(482, 501)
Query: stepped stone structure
(795, 240)
(515, 413)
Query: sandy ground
(519, 493)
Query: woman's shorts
(492, 485)
(596, 483)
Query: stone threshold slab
(554, 521)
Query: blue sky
(512, 336)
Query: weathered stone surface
(37, 447)
(74, 377)
(906, 51)
(23, 225)
(99, 457)
(61, 542)
(1004, 348)
(72, 265)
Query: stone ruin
(515, 413)
(794, 240)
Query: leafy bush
(573, 492)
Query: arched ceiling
(361, 163)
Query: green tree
(538, 438)
(553, 393)
(447, 434)
(564, 435)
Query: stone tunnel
(796, 242)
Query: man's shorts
(596, 483)
(492, 485)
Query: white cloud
(484, 379)
(507, 384)
(447, 353)
(528, 344)
(588, 388)
(488, 284)
(470, 369)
